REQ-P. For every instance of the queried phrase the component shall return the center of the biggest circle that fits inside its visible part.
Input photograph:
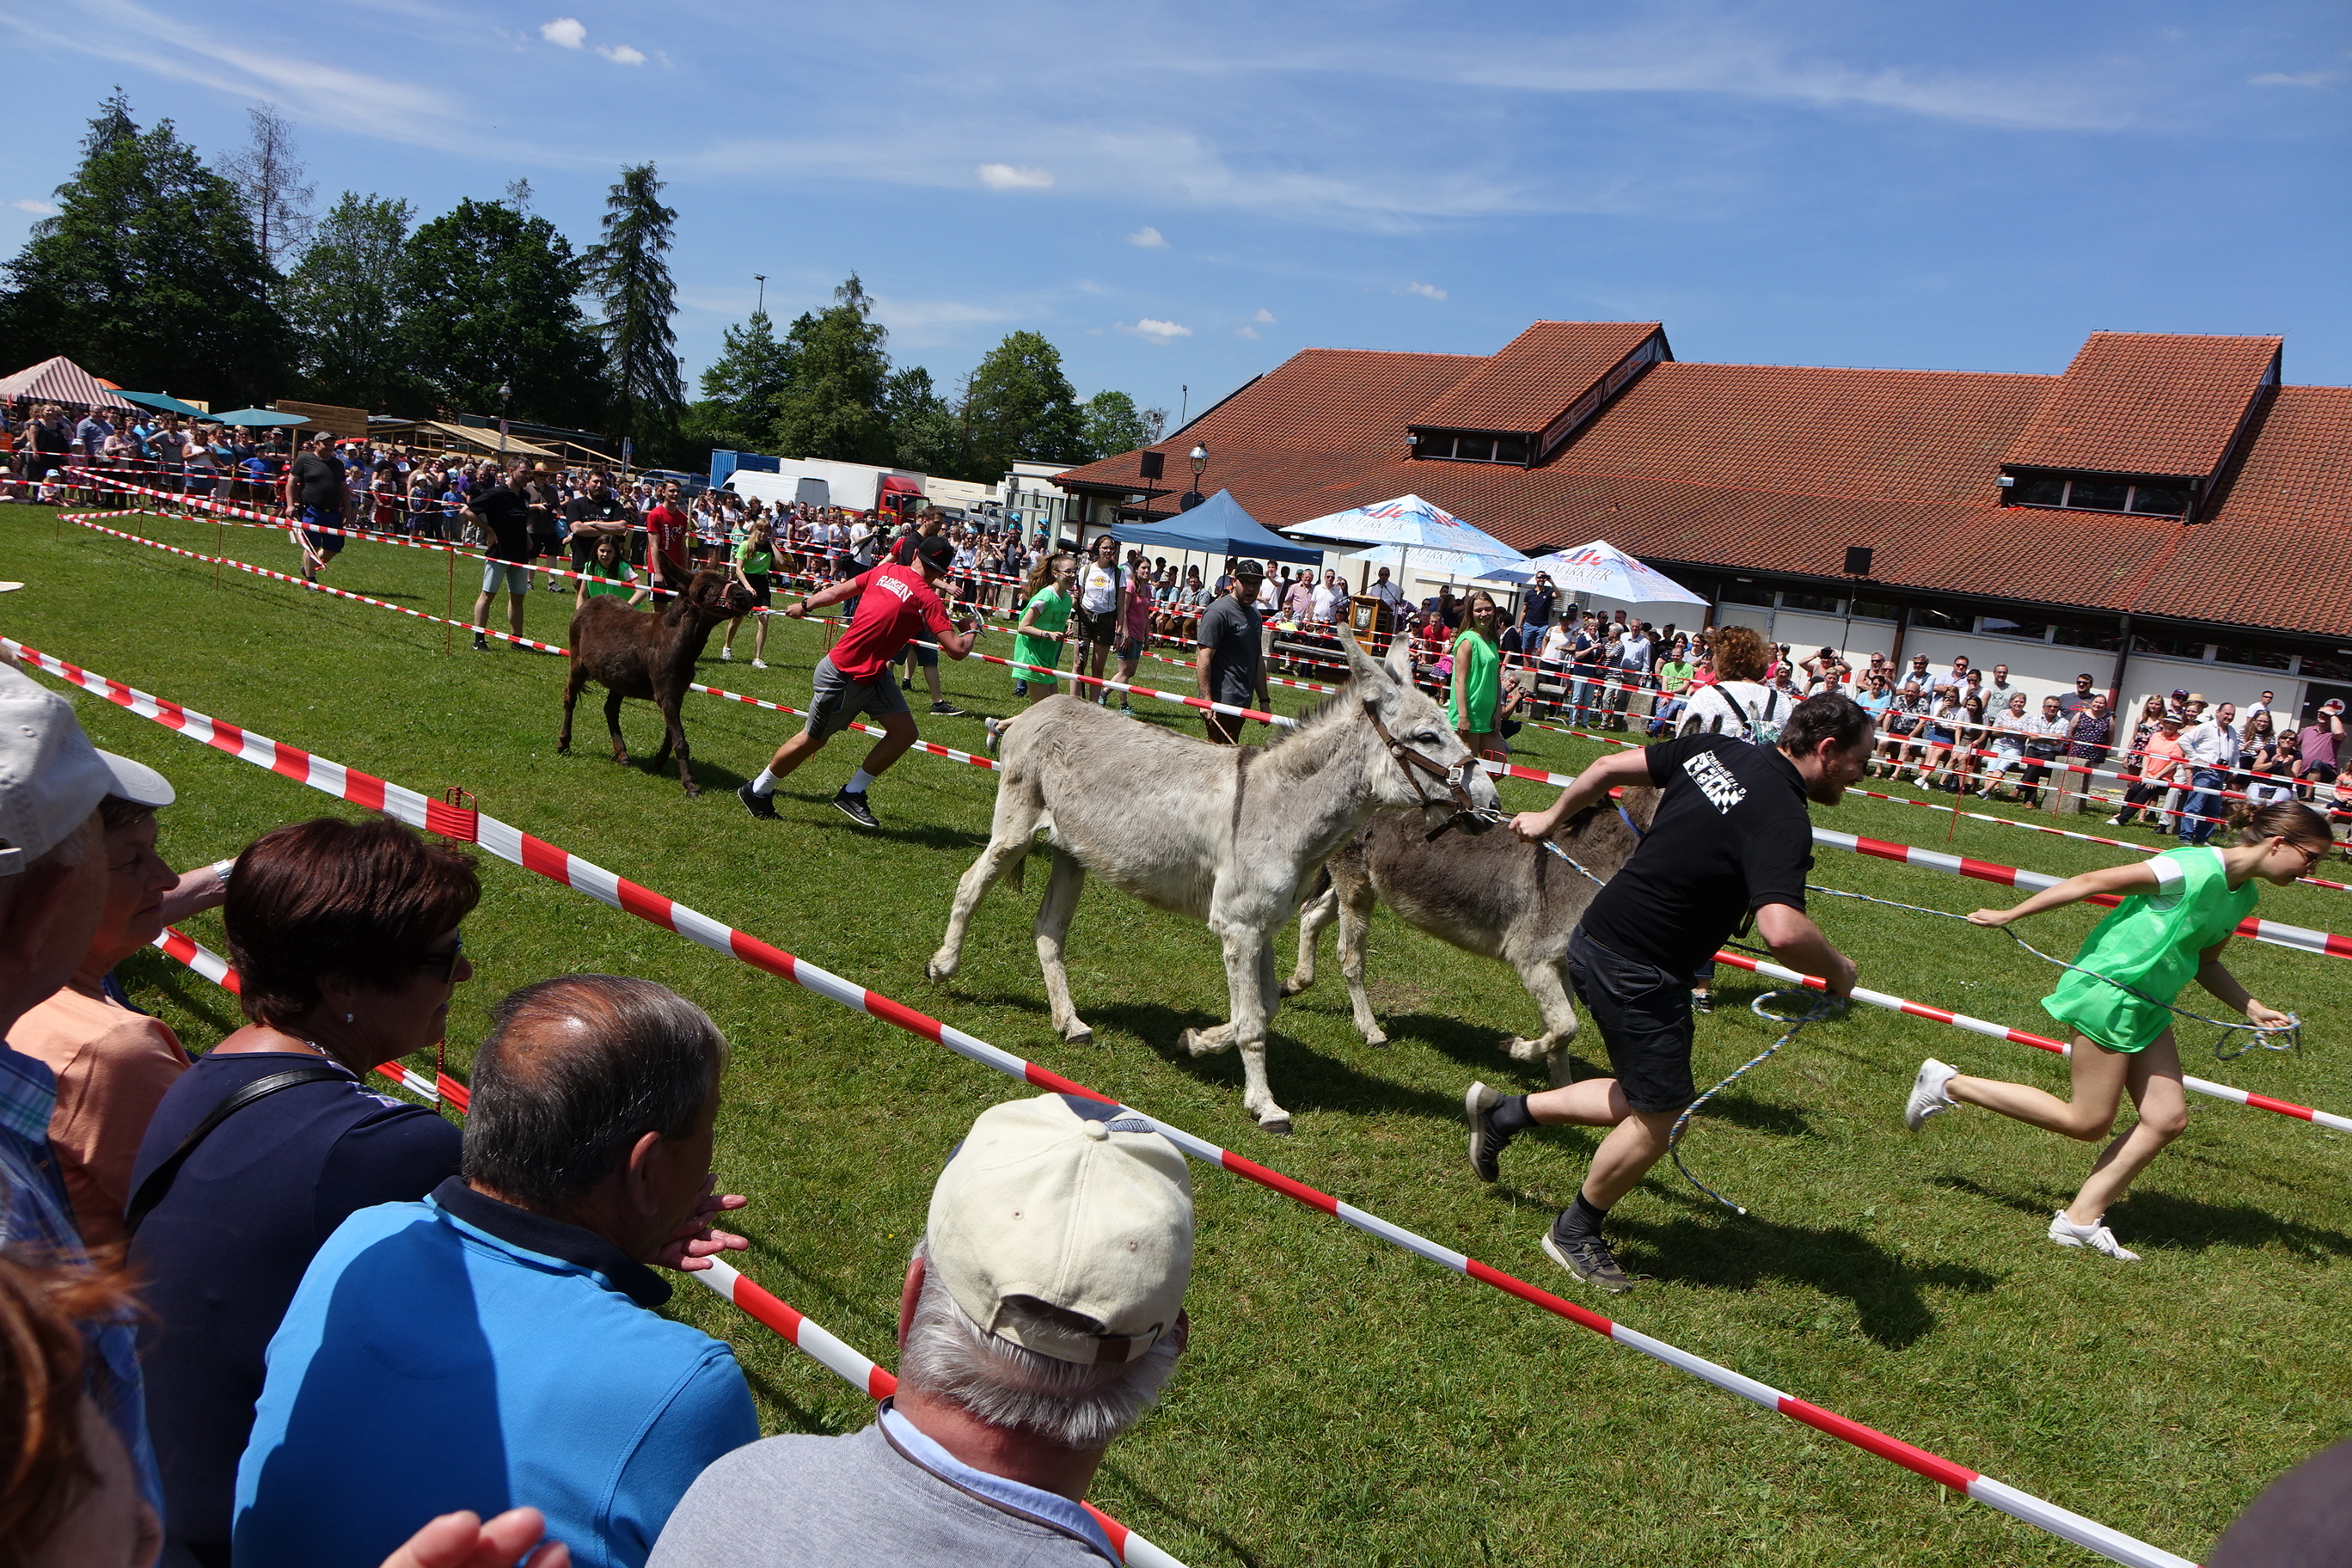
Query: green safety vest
(2151, 942)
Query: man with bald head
(497, 1345)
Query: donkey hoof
(1527, 1051)
(1084, 1034)
(1294, 985)
(939, 967)
(1376, 1039)
(1279, 1126)
(693, 790)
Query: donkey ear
(1399, 663)
(1365, 670)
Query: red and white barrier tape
(2019, 1036)
(549, 860)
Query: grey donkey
(1495, 897)
(1228, 835)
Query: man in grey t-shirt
(1231, 663)
(1057, 1189)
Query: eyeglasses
(2312, 854)
(446, 962)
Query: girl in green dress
(1477, 683)
(1047, 597)
(2178, 913)
(753, 566)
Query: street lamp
(762, 308)
(1199, 457)
(506, 396)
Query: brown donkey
(648, 654)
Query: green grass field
(1342, 1402)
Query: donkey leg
(612, 723)
(1053, 926)
(673, 736)
(1012, 829)
(1546, 984)
(1316, 914)
(573, 681)
(1255, 993)
(1355, 933)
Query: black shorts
(1098, 629)
(1644, 1017)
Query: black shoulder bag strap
(159, 1179)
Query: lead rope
(2266, 1038)
(1828, 1006)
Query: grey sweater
(819, 1503)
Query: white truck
(820, 481)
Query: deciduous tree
(148, 274)
(834, 368)
(489, 296)
(737, 412)
(343, 300)
(1020, 404)
(268, 177)
(1113, 425)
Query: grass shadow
(2170, 1221)
(1741, 1110)
(1888, 1295)
(1301, 1078)
(1159, 1501)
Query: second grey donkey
(1496, 897)
(1230, 836)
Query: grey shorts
(836, 701)
(513, 574)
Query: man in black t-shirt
(1730, 839)
(507, 518)
(318, 498)
(599, 511)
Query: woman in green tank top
(1045, 618)
(1477, 686)
(753, 566)
(2178, 913)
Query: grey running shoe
(1487, 1145)
(1591, 1261)
(853, 806)
(758, 804)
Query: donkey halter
(1413, 764)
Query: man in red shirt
(895, 603)
(667, 531)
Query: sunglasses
(446, 962)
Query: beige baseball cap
(1072, 1203)
(51, 778)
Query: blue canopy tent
(1217, 527)
(259, 417)
(163, 403)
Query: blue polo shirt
(461, 1352)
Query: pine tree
(343, 299)
(834, 370)
(627, 271)
(149, 275)
(488, 296)
(267, 174)
(1020, 404)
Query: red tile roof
(1778, 469)
(1537, 376)
(2147, 403)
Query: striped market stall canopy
(60, 380)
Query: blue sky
(1183, 195)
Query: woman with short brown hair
(346, 944)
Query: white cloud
(1246, 333)
(622, 55)
(1152, 330)
(2292, 78)
(1264, 318)
(1148, 238)
(564, 32)
(1014, 177)
(1426, 290)
(38, 208)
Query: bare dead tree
(268, 177)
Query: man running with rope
(2179, 912)
(1729, 840)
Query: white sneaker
(2097, 1238)
(726, 656)
(759, 664)
(1927, 1096)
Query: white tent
(1603, 570)
(60, 380)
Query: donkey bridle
(1414, 763)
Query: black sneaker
(1020, 688)
(1487, 1145)
(481, 644)
(943, 709)
(1589, 1261)
(760, 806)
(853, 806)
(905, 686)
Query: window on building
(1827, 604)
(2260, 658)
(1941, 620)
(2171, 647)
(2011, 627)
(2067, 634)
(2322, 667)
(2101, 493)
(1748, 593)
(1875, 610)
(1471, 446)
